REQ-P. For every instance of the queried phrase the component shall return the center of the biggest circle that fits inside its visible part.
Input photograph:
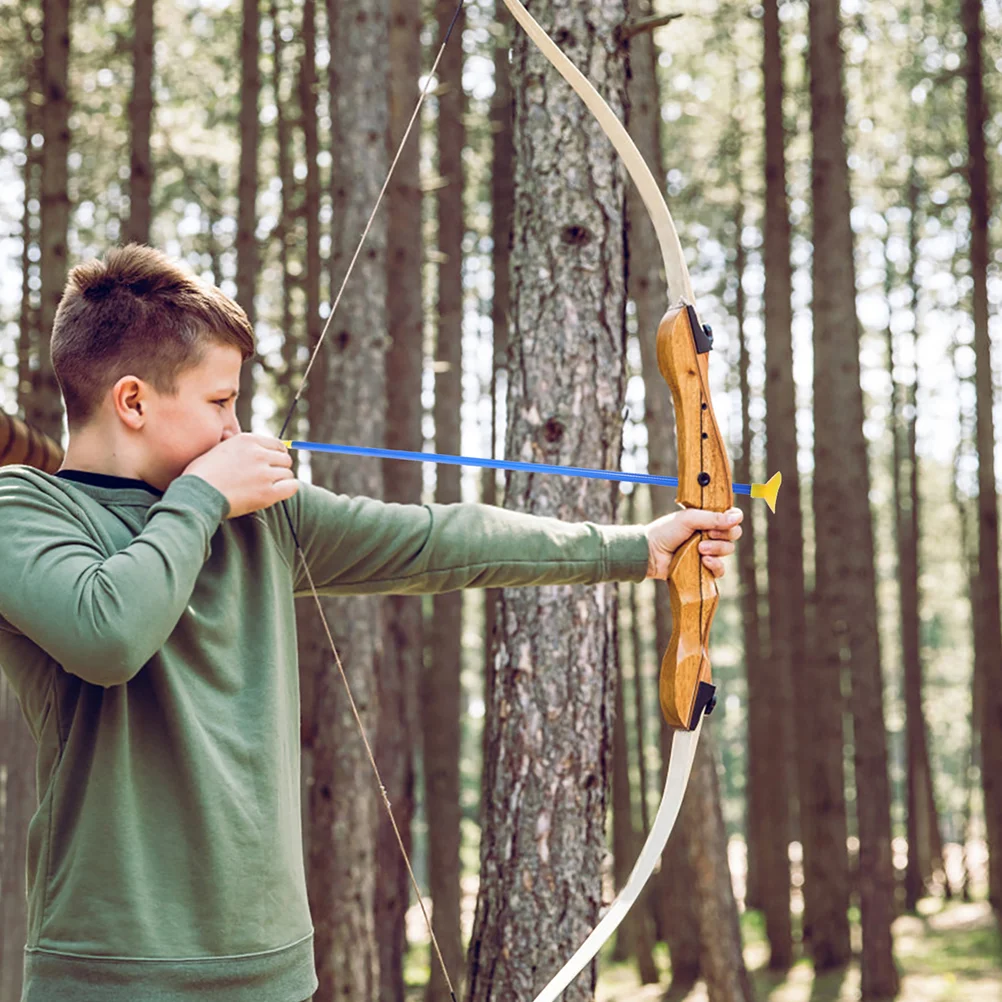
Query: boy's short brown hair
(137, 313)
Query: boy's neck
(91, 451)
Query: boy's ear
(129, 398)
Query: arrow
(767, 491)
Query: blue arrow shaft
(496, 464)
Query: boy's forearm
(376, 548)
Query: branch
(646, 24)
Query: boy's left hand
(666, 534)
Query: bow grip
(704, 475)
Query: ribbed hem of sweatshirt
(283, 975)
(626, 552)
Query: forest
(444, 245)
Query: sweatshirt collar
(106, 480)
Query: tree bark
(17, 756)
(722, 961)
(790, 675)
(311, 188)
(923, 838)
(248, 258)
(285, 231)
(502, 202)
(348, 404)
(441, 691)
(633, 938)
(987, 616)
(43, 408)
(846, 587)
(28, 332)
(403, 643)
(676, 917)
(137, 228)
(546, 779)
(768, 823)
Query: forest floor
(947, 952)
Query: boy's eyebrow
(226, 392)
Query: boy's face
(179, 428)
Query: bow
(704, 474)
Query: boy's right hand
(250, 471)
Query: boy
(147, 629)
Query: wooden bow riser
(704, 482)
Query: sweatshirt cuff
(626, 552)
(195, 493)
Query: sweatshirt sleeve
(356, 545)
(101, 617)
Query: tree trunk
(28, 333)
(401, 666)
(348, 404)
(441, 691)
(987, 616)
(846, 587)
(286, 380)
(987, 626)
(250, 137)
(676, 917)
(789, 674)
(43, 408)
(768, 823)
(633, 939)
(546, 778)
(311, 188)
(137, 229)
(722, 962)
(923, 837)
(502, 202)
(17, 756)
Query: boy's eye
(222, 403)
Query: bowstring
(299, 549)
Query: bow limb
(683, 344)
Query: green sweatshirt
(151, 644)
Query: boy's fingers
(716, 547)
(714, 565)
(698, 518)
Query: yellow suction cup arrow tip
(287, 442)
(768, 491)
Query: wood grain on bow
(704, 481)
